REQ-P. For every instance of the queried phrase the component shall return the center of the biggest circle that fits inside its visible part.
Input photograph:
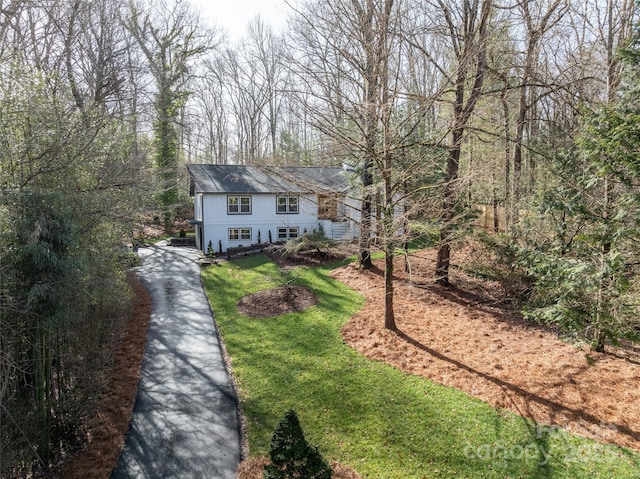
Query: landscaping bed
(389, 422)
(467, 338)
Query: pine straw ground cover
(459, 337)
(398, 421)
(108, 427)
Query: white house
(240, 205)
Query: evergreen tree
(292, 456)
(584, 278)
(39, 237)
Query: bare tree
(171, 39)
(466, 24)
(340, 62)
(264, 50)
(537, 24)
(351, 61)
(211, 106)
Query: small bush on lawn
(291, 455)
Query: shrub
(291, 455)
(504, 265)
(590, 297)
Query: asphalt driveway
(184, 422)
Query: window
(238, 234)
(239, 205)
(287, 204)
(285, 233)
(327, 208)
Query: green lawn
(380, 421)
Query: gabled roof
(267, 179)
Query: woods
(73, 182)
(528, 105)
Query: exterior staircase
(341, 231)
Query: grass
(380, 421)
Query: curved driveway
(184, 422)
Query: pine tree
(585, 280)
(291, 455)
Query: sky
(234, 15)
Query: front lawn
(378, 420)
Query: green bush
(504, 265)
(591, 298)
(291, 455)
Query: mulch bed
(465, 337)
(274, 302)
(253, 468)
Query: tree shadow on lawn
(558, 409)
(455, 337)
(518, 398)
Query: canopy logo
(549, 442)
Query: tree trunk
(371, 82)
(449, 208)
(388, 228)
(473, 52)
(508, 199)
(364, 242)
(534, 32)
(389, 315)
(517, 152)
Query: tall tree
(467, 24)
(386, 164)
(348, 58)
(582, 261)
(69, 191)
(41, 239)
(340, 62)
(265, 50)
(212, 108)
(170, 38)
(249, 99)
(537, 24)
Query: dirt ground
(461, 337)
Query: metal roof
(268, 179)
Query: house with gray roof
(240, 205)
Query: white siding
(263, 218)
